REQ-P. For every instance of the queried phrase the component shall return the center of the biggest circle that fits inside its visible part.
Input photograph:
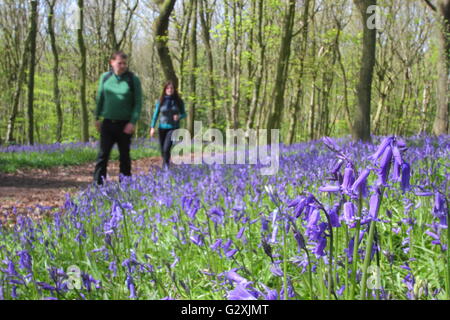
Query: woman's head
(169, 90)
(119, 62)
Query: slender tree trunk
(277, 105)
(112, 39)
(193, 58)
(260, 67)
(441, 122)
(345, 79)
(56, 91)
(18, 91)
(209, 55)
(83, 67)
(226, 67)
(32, 68)
(236, 66)
(300, 88)
(361, 127)
(184, 41)
(161, 29)
(425, 104)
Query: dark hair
(176, 95)
(120, 54)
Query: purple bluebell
(276, 270)
(330, 189)
(319, 249)
(197, 239)
(240, 293)
(349, 213)
(385, 165)
(270, 294)
(381, 149)
(131, 286)
(374, 204)
(300, 240)
(360, 181)
(240, 233)
(230, 253)
(406, 175)
(88, 281)
(349, 178)
(334, 216)
(235, 277)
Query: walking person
(170, 110)
(119, 103)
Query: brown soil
(32, 187)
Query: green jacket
(115, 100)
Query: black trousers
(112, 132)
(165, 143)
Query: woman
(171, 108)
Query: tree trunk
(260, 68)
(236, 66)
(82, 48)
(277, 105)
(18, 91)
(193, 78)
(112, 39)
(184, 41)
(441, 122)
(56, 91)
(32, 68)
(161, 29)
(361, 127)
(209, 56)
(300, 88)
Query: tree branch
(431, 5)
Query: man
(119, 103)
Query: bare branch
(431, 5)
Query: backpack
(128, 76)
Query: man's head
(119, 62)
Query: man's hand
(98, 125)
(152, 132)
(129, 128)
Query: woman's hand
(152, 132)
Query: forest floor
(48, 187)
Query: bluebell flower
(406, 175)
(240, 293)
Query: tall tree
(301, 68)
(193, 71)
(83, 69)
(20, 79)
(205, 24)
(56, 92)
(282, 68)
(361, 126)
(32, 68)
(161, 29)
(260, 67)
(441, 121)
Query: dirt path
(32, 187)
